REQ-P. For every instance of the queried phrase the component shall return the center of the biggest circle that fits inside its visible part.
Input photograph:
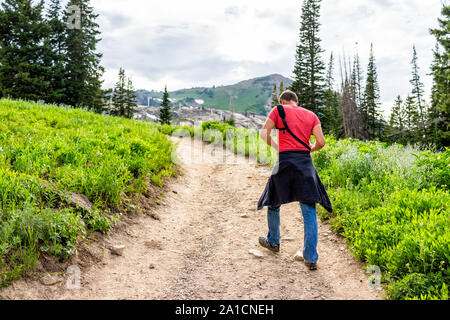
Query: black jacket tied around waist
(294, 179)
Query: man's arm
(320, 139)
(265, 133)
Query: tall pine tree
(24, 67)
(417, 91)
(165, 117)
(119, 96)
(309, 67)
(83, 70)
(57, 54)
(371, 114)
(440, 99)
(130, 101)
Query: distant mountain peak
(252, 95)
(272, 79)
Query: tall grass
(44, 148)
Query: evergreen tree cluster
(349, 112)
(123, 97)
(353, 110)
(50, 54)
(276, 95)
(332, 118)
(413, 121)
(439, 131)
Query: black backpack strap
(282, 115)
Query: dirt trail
(199, 247)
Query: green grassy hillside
(47, 152)
(250, 95)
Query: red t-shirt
(301, 122)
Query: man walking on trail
(294, 178)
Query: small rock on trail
(118, 249)
(50, 279)
(256, 253)
(298, 256)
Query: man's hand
(320, 139)
(265, 133)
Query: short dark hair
(288, 95)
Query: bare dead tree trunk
(349, 107)
(349, 112)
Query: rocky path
(199, 247)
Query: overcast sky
(194, 43)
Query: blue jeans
(310, 229)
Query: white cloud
(204, 43)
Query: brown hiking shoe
(275, 248)
(311, 265)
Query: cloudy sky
(194, 43)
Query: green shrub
(393, 207)
(103, 158)
(417, 286)
(437, 166)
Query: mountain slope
(248, 95)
